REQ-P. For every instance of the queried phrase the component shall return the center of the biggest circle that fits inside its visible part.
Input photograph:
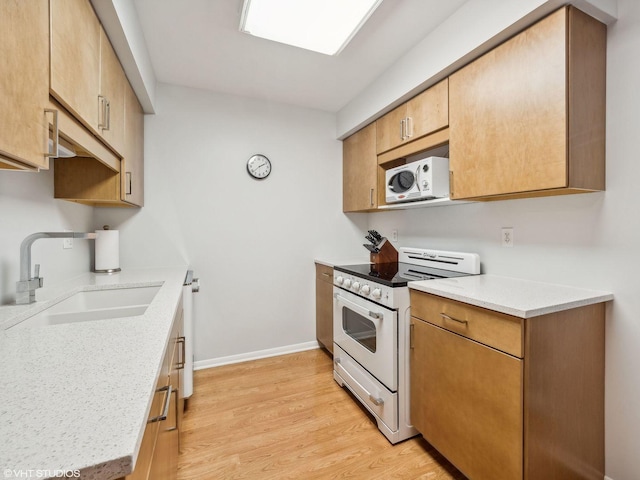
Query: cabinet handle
(451, 184)
(402, 129)
(447, 317)
(107, 111)
(371, 197)
(103, 114)
(183, 353)
(56, 134)
(127, 183)
(377, 401)
(409, 127)
(176, 425)
(167, 402)
(326, 274)
(411, 326)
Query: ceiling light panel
(324, 26)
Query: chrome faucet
(27, 286)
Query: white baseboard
(245, 357)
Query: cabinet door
(132, 166)
(467, 401)
(75, 58)
(420, 116)
(165, 457)
(360, 171)
(24, 92)
(429, 111)
(324, 306)
(508, 115)
(112, 90)
(391, 129)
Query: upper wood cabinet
(528, 118)
(360, 171)
(113, 83)
(119, 183)
(75, 59)
(86, 76)
(132, 166)
(420, 116)
(24, 93)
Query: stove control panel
(387, 296)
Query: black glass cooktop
(396, 274)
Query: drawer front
(371, 393)
(324, 273)
(494, 329)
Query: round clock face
(259, 167)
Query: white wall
(28, 206)
(590, 240)
(252, 243)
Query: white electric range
(371, 330)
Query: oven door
(369, 333)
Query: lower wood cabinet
(509, 398)
(470, 402)
(324, 306)
(158, 456)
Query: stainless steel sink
(95, 305)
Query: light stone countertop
(77, 396)
(512, 296)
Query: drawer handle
(447, 317)
(183, 354)
(167, 402)
(326, 274)
(377, 401)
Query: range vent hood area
(85, 171)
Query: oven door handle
(358, 309)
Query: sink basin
(95, 305)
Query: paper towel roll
(107, 251)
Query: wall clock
(259, 166)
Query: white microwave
(421, 180)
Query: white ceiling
(197, 43)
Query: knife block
(387, 253)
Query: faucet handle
(36, 276)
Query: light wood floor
(286, 418)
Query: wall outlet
(394, 235)
(67, 242)
(507, 237)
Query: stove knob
(347, 282)
(377, 293)
(339, 279)
(365, 290)
(356, 286)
